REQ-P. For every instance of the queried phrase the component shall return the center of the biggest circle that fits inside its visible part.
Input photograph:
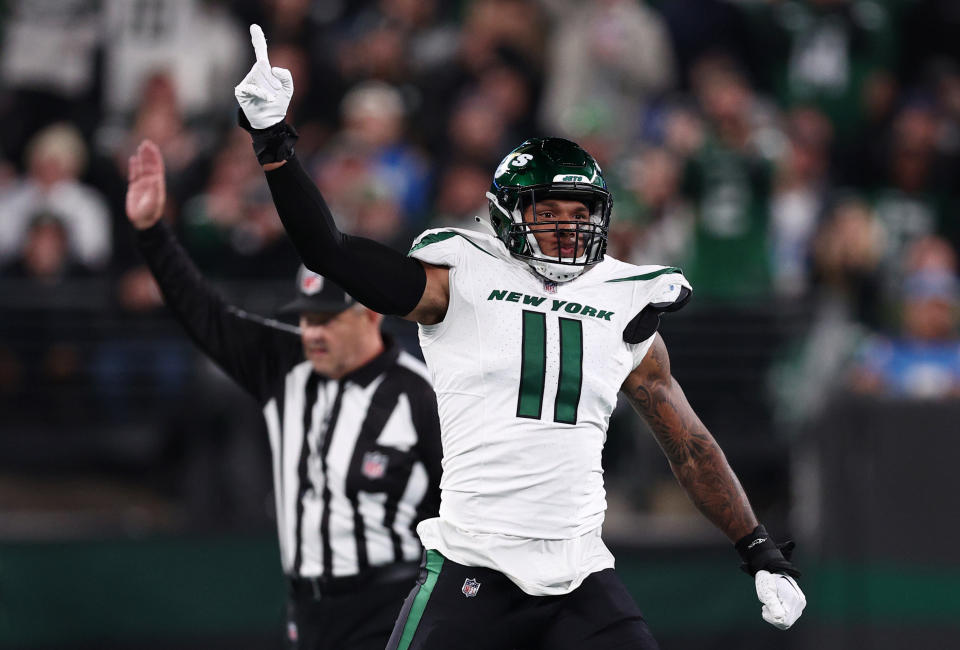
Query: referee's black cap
(317, 294)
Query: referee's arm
(249, 349)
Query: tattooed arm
(703, 471)
(695, 458)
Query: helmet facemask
(580, 242)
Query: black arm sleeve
(376, 275)
(254, 351)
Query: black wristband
(759, 553)
(272, 144)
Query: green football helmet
(542, 169)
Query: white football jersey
(526, 374)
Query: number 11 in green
(533, 368)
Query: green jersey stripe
(533, 365)
(649, 276)
(571, 371)
(434, 564)
(436, 237)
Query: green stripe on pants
(434, 563)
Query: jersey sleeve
(441, 247)
(668, 291)
(663, 289)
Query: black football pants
(361, 620)
(455, 606)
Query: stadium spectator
(48, 68)
(376, 50)
(708, 27)
(494, 32)
(159, 118)
(476, 129)
(800, 194)
(375, 178)
(913, 197)
(928, 32)
(46, 356)
(374, 121)
(848, 253)
(612, 55)
(930, 254)
(923, 360)
(457, 204)
(683, 130)
(836, 55)
(56, 157)
(729, 181)
(431, 36)
(231, 228)
(510, 88)
(195, 42)
(946, 88)
(45, 258)
(654, 222)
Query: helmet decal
(513, 159)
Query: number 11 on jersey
(533, 368)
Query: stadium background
(798, 159)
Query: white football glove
(783, 602)
(265, 93)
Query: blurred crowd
(783, 153)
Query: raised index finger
(259, 43)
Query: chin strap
(543, 272)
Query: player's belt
(318, 586)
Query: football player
(529, 332)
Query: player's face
(338, 343)
(553, 224)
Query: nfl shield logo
(470, 587)
(310, 282)
(374, 464)
(292, 634)
(549, 286)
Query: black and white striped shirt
(349, 474)
(356, 461)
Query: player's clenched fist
(264, 94)
(782, 599)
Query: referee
(353, 428)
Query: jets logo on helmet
(513, 159)
(550, 168)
